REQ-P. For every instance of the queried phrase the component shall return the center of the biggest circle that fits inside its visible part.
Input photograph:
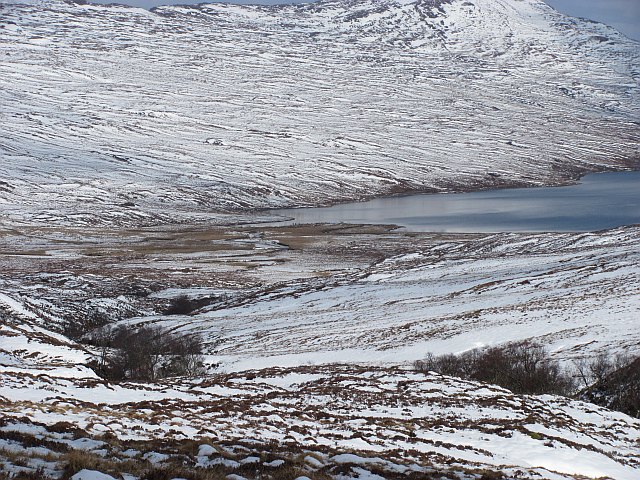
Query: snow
(15, 306)
(155, 457)
(366, 474)
(290, 381)
(91, 475)
(328, 355)
(313, 462)
(350, 458)
(470, 422)
(206, 451)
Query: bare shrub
(523, 367)
(146, 354)
(184, 305)
(76, 327)
(599, 367)
(619, 389)
(181, 305)
(461, 365)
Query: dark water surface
(599, 201)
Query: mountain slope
(386, 420)
(113, 114)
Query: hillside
(116, 115)
(334, 421)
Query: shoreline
(340, 213)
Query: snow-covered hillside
(113, 114)
(577, 294)
(344, 421)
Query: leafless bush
(619, 389)
(596, 369)
(181, 305)
(461, 365)
(184, 305)
(522, 367)
(93, 318)
(146, 354)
